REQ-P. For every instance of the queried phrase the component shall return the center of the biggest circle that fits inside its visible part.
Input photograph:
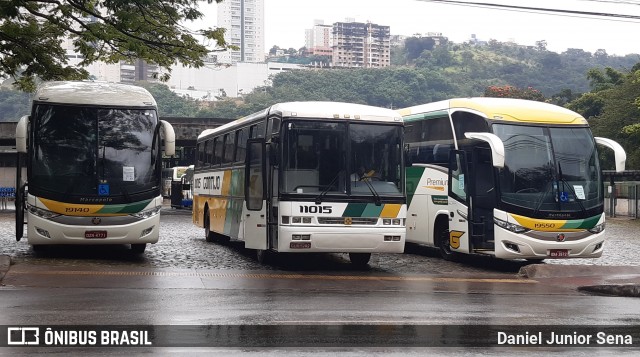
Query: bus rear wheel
(138, 248)
(359, 259)
(208, 235)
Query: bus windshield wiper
(323, 193)
(375, 194)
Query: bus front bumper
(547, 245)
(301, 239)
(42, 231)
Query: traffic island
(604, 280)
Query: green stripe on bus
(125, 208)
(372, 210)
(413, 176)
(422, 116)
(354, 210)
(586, 223)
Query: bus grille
(354, 220)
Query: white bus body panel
(430, 200)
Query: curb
(534, 271)
(551, 271)
(627, 290)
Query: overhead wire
(548, 11)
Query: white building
(318, 39)
(212, 81)
(244, 21)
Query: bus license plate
(559, 253)
(95, 234)
(300, 245)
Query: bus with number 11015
(304, 177)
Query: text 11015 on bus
(505, 177)
(94, 160)
(305, 177)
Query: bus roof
(94, 93)
(317, 110)
(518, 110)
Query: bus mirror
(273, 153)
(21, 134)
(407, 156)
(169, 138)
(497, 146)
(620, 154)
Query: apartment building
(357, 44)
(319, 39)
(244, 22)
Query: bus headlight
(510, 226)
(42, 213)
(598, 228)
(147, 213)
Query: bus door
(458, 202)
(255, 220)
(482, 198)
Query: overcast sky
(286, 20)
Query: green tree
(31, 33)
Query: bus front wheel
(138, 248)
(359, 259)
(263, 256)
(444, 246)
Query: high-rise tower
(244, 21)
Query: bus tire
(208, 234)
(445, 248)
(263, 256)
(138, 248)
(359, 259)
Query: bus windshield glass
(336, 158)
(549, 169)
(92, 151)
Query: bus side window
(241, 144)
(218, 151)
(229, 147)
(200, 154)
(274, 126)
(209, 153)
(430, 141)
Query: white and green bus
(304, 177)
(510, 178)
(94, 160)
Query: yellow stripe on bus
(390, 210)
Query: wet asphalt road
(182, 245)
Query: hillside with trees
(603, 88)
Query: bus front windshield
(342, 158)
(91, 151)
(550, 171)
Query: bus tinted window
(218, 151)
(229, 147)
(209, 153)
(430, 140)
(200, 149)
(241, 138)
